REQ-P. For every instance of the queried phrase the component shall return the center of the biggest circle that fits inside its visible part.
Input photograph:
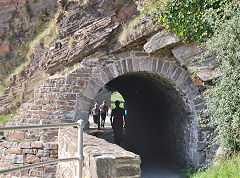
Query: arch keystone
(124, 66)
(145, 64)
(129, 65)
(154, 65)
(135, 63)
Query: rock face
(19, 20)
(159, 41)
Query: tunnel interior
(160, 125)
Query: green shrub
(223, 99)
(184, 18)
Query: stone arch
(169, 70)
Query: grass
(128, 29)
(228, 169)
(2, 87)
(47, 36)
(16, 70)
(5, 118)
(31, 94)
(116, 96)
(23, 140)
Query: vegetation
(46, 37)
(1, 89)
(23, 140)
(228, 169)
(129, 28)
(184, 18)
(5, 118)
(114, 97)
(31, 95)
(223, 99)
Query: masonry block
(18, 159)
(181, 78)
(129, 65)
(124, 66)
(154, 65)
(104, 78)
(128, 171)
(185, 86)
(94, 85)
(119, 67)
(90, 92)
(30, 159)
(135, 63)
(165, 68)
(108, 73)
(145, 64)
(81, 106)
(114, 70)
(83, 98)
(171, 70)
(176, 74)
(159, 66)
(25, 145)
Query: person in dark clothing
(103, 110)
(96, 115)
(117, 117)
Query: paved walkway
(149, 168)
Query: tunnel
(160, 124)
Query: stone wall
(13, 154)
(101, 159)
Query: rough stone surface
(14, 154)
(159, 41)
(101, 159)
(208, 74)
(188, 55)
(31, 159)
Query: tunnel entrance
(160, 126)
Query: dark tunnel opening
(160, 125)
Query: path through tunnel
(160, 125)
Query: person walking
(96, 115)
(117, 118)
(103, 110)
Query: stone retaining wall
(101, 159)
(13, 154)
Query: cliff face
(78, 30)
(20, 21)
